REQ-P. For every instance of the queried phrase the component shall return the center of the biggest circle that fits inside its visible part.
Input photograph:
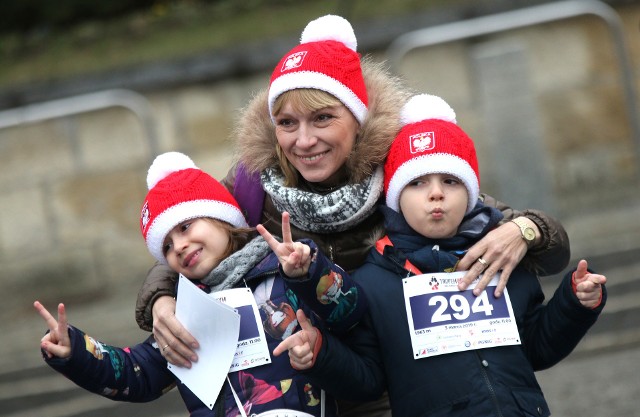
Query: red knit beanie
(179, 191)
(326, 59)
(430, 142)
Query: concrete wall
(544, 105)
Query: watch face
(529, 234)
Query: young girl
(193, 224)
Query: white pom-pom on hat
(330, 28)
(426, 106)
(166, 164)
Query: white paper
(216, 327)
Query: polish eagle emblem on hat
(293, 61)
(145, 215)
(421, 142)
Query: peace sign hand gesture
(294, 257)
(56, 342)
(302, 345)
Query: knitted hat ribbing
(326, 59)
(430, 142)
(179, 191)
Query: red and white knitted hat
(430, 142)
(326, 59)
(179, 191)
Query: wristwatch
(527, 232)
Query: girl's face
(317, 143)
(196, 246)
(434, 205)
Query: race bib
(443, 319)
(252, 349)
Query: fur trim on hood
(255, 138)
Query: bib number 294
(436, 309)
(460, 307)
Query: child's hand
(588, 286)
(56, 342)
(294, 257)
(300, 344)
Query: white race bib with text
(443, 319)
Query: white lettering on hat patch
(145, 215)
(421, 142)
(293, 61)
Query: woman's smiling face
(317, 143)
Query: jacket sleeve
(350, 367)
(549, 256)
(551, 332)
(329, 291)
(160, 280)
(134, 374)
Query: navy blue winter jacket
(377, 354)
(139, 373)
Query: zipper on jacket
(401, 268)
(487, 380)
(263, 274)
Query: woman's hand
(501, 249)
(56, 343)
(174, 341)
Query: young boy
(192, 223)
(432, 216)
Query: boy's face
(434, 205)
(194, 247)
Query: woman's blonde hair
(301, 99)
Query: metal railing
(85, 103)
(501, 22)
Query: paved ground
(601, 378)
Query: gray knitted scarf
(233, 268)
(336, 211)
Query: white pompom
(426, 106)
(165, 164)
(330, 27)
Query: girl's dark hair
(238, 236)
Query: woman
(318, 137)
